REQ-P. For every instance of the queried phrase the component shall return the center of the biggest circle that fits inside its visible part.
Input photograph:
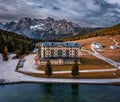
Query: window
(44, 53)
(52, 53)
(67, 53)
(59, 53)
(75, 53)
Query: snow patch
(7, 69)
(40, 26)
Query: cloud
(113, 1)
(93, 13)
(91, 5)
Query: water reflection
(2, 86)
(75, 92)
(59, 93)
(48, 88)
(48, 92)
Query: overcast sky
(92, 13)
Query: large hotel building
(59, 52)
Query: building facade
(59, 50)
(62, 52)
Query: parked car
(2, 80)
(22, 60)
(20, 65)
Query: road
(63, 80)
(25, 78)
(98, 55)
(116, 43)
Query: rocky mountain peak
(1, 25)
(9, 25)
(22, 24)
(25, 19)
(50, 19)
(42, 28)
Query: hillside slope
(106, 41)
(15, 42)
(114, 30)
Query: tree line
(114, 30)
(14, 43)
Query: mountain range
(108, 31)
(47, 28)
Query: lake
(32, 92)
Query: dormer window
(52, 44)
(66, 43)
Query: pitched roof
(69, 44)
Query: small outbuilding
(97, 45)
(113, 47)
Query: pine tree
(5, 54)
(48, 70)
(75, 69)
(6, 49)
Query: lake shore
(10, 76)
(65, 81)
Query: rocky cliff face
(9, 26)
(1, 25)
(43, 28)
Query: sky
(90, 13)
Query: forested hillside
(114, 30)
(15, 43)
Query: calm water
(59, 93)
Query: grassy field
(113, 54)
(106, 41)
(88, 62)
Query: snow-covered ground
(7, 69)
(8, 73)
(29, 65)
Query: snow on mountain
(35, 27)
(43, 28)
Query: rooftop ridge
(71, 44)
